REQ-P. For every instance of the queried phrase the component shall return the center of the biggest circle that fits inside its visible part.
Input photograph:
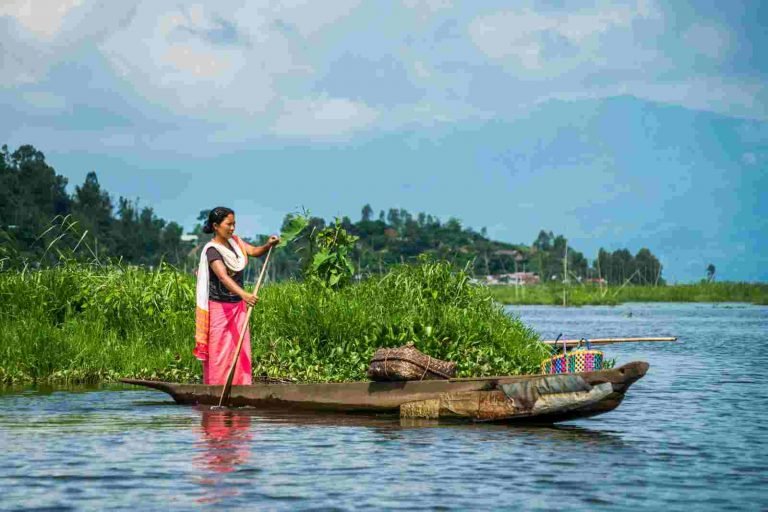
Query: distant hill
(398, 236)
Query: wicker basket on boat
(407, 363)
(575, 361)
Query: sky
(618, 124)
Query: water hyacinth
(88, 323)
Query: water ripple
(689, 436)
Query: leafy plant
(331, 264)
(293, 225)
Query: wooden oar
(228, 385)
(607, 341)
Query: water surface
(691, 435)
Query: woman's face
(226, 228)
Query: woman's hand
(273, 240)
(249, 298)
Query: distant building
(514, 278)
(189, 237)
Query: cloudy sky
(619, 124)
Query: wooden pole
(565, 272)
(608, 341)
(228, 385)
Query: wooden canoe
(527, 398)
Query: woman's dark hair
(215, 216)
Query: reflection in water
(225, 436)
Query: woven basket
(407, 363)
(575, 361)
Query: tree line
(38, 218)
(397, 236)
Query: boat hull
(528, 398)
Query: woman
(222, 302)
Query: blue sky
(619, 124)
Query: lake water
(692, 435)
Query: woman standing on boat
(222, 302)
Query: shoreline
(594, 295)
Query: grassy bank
(86, 324)
(578, 295)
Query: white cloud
(166, 58)
(43, 19)
(741, 99)
(41, 34)
(551, 41)
(323, 117)
(173, 57)
(245, 68)
(611, 49)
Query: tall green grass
(90, 323)
(578, 295)
(82, 323)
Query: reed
(90, 323)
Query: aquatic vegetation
(582, 295)
(310, 332)
(88, 323)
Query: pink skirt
(225, 319)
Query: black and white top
(216, 289)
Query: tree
(150, 229)
(648, 267)
(604, 265)
(92, 209)
(171, 247)
(543, 241)
(32, 196)
(8, 190)
(623, 265)
(393, 218)
(36, 210)
(367, 213)
(128, 243)
(710, 273)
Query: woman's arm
(260, 250)
(220, 270)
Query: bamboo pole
(608, 341)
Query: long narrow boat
(528, 398)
